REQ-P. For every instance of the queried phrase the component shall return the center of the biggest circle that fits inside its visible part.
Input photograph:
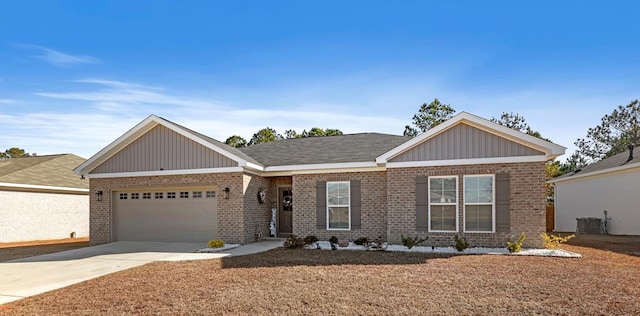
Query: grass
(307, 282)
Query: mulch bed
(17, 250)
(302, 281)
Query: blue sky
(75, 75)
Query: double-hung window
(479, 206)
(443, 204)
(338, 205)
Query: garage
(177, 215)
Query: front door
(285, 211)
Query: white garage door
(179, 215)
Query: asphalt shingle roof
(49, 170)
(364, 147)
(611, 162)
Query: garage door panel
(154, 219)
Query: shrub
(217, 243)
(460, 243)
(516, 246)
(377, 244)
(294, 242)
(361, 241)
(310, 239)
(410, 242)
(333, 240)
(553, 241)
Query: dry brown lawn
(17, 250)
(363, 283)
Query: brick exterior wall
(373, 205)
(256, 215)
(527, 195)
(231, 217)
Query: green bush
(294, 242)
(516, 246)
(333, 240)
(362, 241)
(460, 243)
(217, 243)
(411, 242)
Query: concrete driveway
(35, 275)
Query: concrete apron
(35, 275)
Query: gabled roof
(53, 172)
(614, 163)
(550, 149)
(348, 148)
(151, 122)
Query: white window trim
(429, 204)
(327, 204)
(493, 203)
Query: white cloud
(58, 58)
(7, 101)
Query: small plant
(333, 240)
(377, 244)
(217, 243)
(410, 242)
(310, 239)
(460, 243)
(362, 241)
(516, 246)
(294, 242)
(553, 241)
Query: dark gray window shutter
(422, 203)
(503, 208)
(355, 204)
(321, 205)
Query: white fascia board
(41, 187)
(253, 166)
(550, 149)
(164, 172)
(342, 165)
(478, 161)
(319, 171)
(592, 174)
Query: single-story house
(608, 185)
(468, 176)
(43, 199)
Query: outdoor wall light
(99, 195)
(226, 193)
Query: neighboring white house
(612, 184)
(41, 198)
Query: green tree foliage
(313, 132)
(236, 141)
(264, 135)
(14, 152)
(429, 116)
(615, 133)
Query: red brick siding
(527, 203)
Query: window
(184, 195)
(146, 195)
(211, 194)
(135, 196)
(443, 204)
(171, 195)
(338, 205)
(159, 195)
(123, 196)
(196, 194)
(479, 207)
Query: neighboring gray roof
(611, 162)
(50, 170)
(364, 147)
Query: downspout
(630, 152)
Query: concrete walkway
(35, 275)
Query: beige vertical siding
(465, 142)
(162, 148)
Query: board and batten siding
(465, 142)
(163, 149)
